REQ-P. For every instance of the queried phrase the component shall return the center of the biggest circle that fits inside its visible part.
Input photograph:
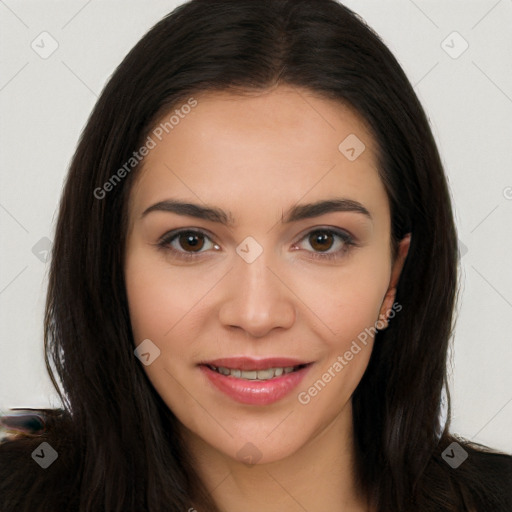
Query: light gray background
(45, 104)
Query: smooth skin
(256, 156)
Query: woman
(252, 283)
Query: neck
(318, 476)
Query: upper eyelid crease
(296, 213)
(342, 234)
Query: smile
(254, 381)
(268, 374)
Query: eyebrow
(294, 214)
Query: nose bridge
(259, 287)
(252, 265)
(257, 301)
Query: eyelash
(168, 238)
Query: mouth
(261, 375)
(255, 381)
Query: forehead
(269, 149)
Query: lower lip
(255, 392)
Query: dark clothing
(40, 477)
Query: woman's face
(265, 275)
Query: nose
(258, 298)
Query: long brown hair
(129, 456)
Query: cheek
(352, 319)
(341, 301)
(345, 300)
(150, 309)
(347, 303)
(158, 296)
(159, 307)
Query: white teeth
(270, 373)
(265, 374)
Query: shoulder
(38, 467)
(490, 472)
(479, 476)
(490, 462)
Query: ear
(396, 270)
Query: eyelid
(341, 232)
(165, 241)
(348, 240)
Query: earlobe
(398, 264)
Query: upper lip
(249, 363)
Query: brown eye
(187, 244)
(321, 240)
(191, 241)
(328, 244)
